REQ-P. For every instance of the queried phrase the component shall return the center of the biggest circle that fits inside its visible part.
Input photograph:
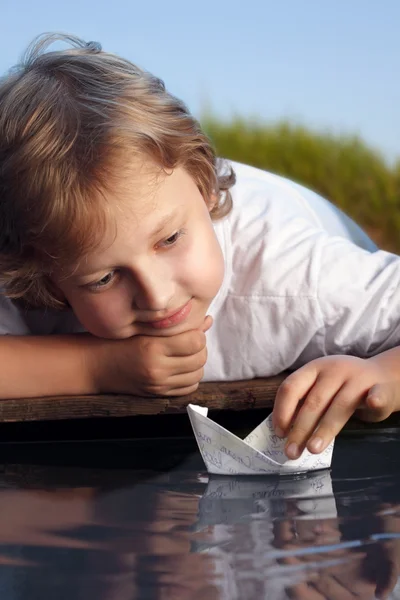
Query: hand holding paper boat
(261, 452)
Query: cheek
(204, 264)
(102, 314)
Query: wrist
(97, 360)
(389, 363)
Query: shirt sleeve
(12, 321)
(359, 297)
(17, 320)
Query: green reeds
(343, 169)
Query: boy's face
(158, 266)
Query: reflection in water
(125, 533)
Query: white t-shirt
(301, 281)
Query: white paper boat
(259, 453)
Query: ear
(212, 201)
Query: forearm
(33, 366)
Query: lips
(173, 319)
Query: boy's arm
(357, 295)
(35, 366)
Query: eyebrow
(163, 223)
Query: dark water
(126, 520)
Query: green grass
(343, 169)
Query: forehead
(142, 192)
(149, 199)
(141, 208)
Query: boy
(122, 238)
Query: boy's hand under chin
(314, 403)
(154, 366)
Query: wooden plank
(229, 397)
(237, 395)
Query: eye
(171, 241)
(103, 282)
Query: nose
(154, 290)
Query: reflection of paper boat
(228, 500)
(259, 453)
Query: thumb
(208, 321)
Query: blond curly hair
(66, 119)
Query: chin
(113, 335)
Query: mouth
(175, 318)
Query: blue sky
(331, 65)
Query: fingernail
(292, 451)
(279, 432)
(316, 444)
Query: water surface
(124, 520)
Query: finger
(314, 407)
(185, 380)
(330, 587)
(303, 591)
(184, 391)
(207, 323)
(284, 533)
(181, 365)
(354, 579)
(339, 412)
(288, 396)
(185, 344)
(319, 532)
(378, 404)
